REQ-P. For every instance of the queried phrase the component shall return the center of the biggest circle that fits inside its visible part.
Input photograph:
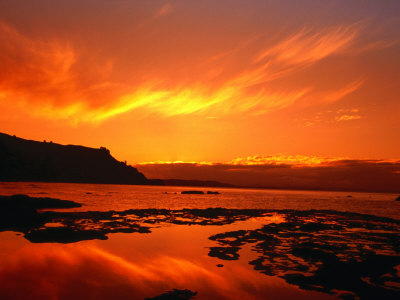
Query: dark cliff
(26, 160)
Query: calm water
(231, 259)
(101, 197)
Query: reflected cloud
(307, 249)
(89, 272)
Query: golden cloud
(50, 79)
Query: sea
(235, 244)
(105, 197)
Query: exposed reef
(175, 294)
(19, 212)
(24, 201)
(354, 256)
(213, 193)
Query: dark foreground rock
(19, 212)
(24, 201)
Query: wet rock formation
(351, 255)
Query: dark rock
(19, 212)
(193, 192)
(63, 235)
(24, 201)
(398, 198)
(225, 253)
(175, 294)
(212, 193)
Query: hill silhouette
(27, 160)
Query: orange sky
(204, 80)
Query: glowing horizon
(173, 81)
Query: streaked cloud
(333, 96)
(50, 79)
(310, 45)
(164, 10)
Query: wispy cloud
(309, 46)
(347, 117)
(333, 96)
(331, 116)
(164, 10)
(49, 78)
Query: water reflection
(218, 253)
(102, 270)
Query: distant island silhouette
(198, 183)
(27, 160)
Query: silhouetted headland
(26, 160)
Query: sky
(204, 81)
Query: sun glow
(161, 87)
